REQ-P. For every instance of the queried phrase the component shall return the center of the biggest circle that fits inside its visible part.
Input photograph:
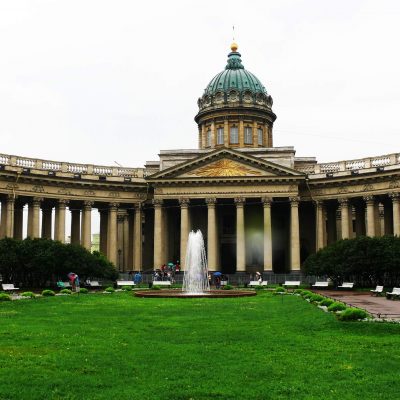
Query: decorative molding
(64, 191)
(368, 199)
(113, 206)
(368, 187)
(394, 184)
(89, 193)
(266, 201)
(12, 186)
(211, 201)
(344, 202)
(225, 167)
(62, 203)
(240, 201)
(157, 202)
(294, 201)
(88, 205)
(395, 196)
(114, 194)
(38, 188)
(343, 189)
(184, 202)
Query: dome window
(248, 135)
(234, 135)
(208, 143)
(260, 137)
(220, 136)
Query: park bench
(9, 287)
(320, 285)
(254, 283)
(63, 285)
(161, 283)
(291, 284)
(93, 284)
(346, 285)
(125, 283)
(378, 290)
(395, 293)
(264, 283)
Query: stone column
(267, 136)
(158, 233)
(47, 222)
(213, 135)
(103, 231)
(294, 234)
(138, 238)
(240, 236)
(320, 224)
(377, 217)
(226, 132)
(184, 203)
(120, 240)
(10, 216)
(3, 219)
(241, 132)
(30, 219)
(112, 232)
(212, 235)
(255, 134)
(76, 226)
(59, 231)
(203, 136)
(18, 220)
(396, 212)
(126, 242)
(344, 212)
(370, 215)
(87, 225)
(267, 234)
(36, 201)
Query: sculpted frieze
(394, 184)
(225, 167)
(114, 194)
(38, 188)
(64, 191)
(12, 186)
(90, 193)
(343, 189)
(368, 187)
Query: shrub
(28, 294)
(84, 291)
(280, 289)
(127, 288)
(65, 291)
(110, 289)
(257, 287)
(326, 302)
(5, 297)
(156, 287)
(298, 291)
(228, 287)
(337, 306)
(305, 293)
(352, 314)
(316, 298)
(48, 292)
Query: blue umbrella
(217, 274)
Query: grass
(264, 347)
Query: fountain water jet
(195, 280)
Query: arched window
(234, 137)
(208, 138)
(260, 136)
(248, 135)
(220, 135)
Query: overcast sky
(104, 81)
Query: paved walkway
(377, 306)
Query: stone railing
(352, 165)
(70, 168)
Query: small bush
(259, 287)
(28, 294)
(352, 314)
(306, 293)
(316, 298)
(84, 291)
(5, 297)
(298, 291)
(156, 287)
(336, 306)
(48, 292)
(228, 287)
(326, 302)
(65, 291)
(127, 288)
(110, 289)
(280, 289)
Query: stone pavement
(378, 306)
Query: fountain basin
(177, 293)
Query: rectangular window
(260, 136)
(248, 135)
(208, 138)
(234, 139)
(220, 136)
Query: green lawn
(121, 347)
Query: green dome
(234, 77)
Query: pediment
(225, 163)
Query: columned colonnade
(124, 248)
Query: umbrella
(217, 274)
(257, 273)
(170, 264)
(72, 276)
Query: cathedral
(259, 207)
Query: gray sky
(103, 81)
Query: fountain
(195, 279)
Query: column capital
(62, 202)
(184, 202)
(343, 202)
(113, 206)
(395, 196)
(211, 201)
(10, 198)
(319, 203)
(239, 201)
(266, 201)
(37, 200)
(157, 202)
(294, 201)
(87, 205)
(369, 199)
(138, 206)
